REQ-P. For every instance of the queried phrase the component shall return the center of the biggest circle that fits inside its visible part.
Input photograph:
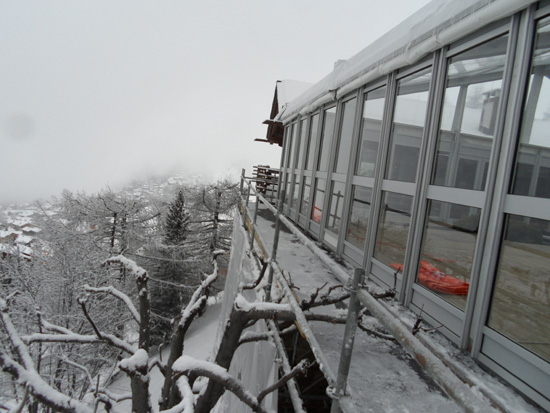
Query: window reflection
(295, 192)
(293, 144)
(312, 143)
(523, 283)
(336, 206)
(318, 200)
(302, 145)
(447, 254)
(346, 135)
(371, 128)
(468, 119)
(359, 217)
(326, 139)
(532, 170)
(288, 188)
(305, 195)
(408, 126)
(393, 230)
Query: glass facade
(344, 144)
(306, 189)
(358, 223)
(312, 142)
(336, 207)
(520, 308)
(449, 187)
(393, 229)
(326, 139)
(371, 129)
(411, 105)
(318, 200)
(532, 166)
(469, 113)
(448, 252)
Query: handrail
(459, 391)
(300, 317)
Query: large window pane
(393, 230)
(523, 285)
(447, 254)
(293, 145)
(295, 191)
(359, 217)
(326, 139)
(469, 115)
(336, 206)
(371, 128)
(532, 171)
(306, 188)
(288, 188)
(302, 145)
(346, 136)
(312, 142)
(408, 126)
(318, 200)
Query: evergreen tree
(176, 221)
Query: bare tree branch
(301, 367)
(117, 294)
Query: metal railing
(337, 383)
(418, 347)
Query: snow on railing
(435, 367)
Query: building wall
(436, 179)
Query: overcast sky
(96, 93)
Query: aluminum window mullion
(331, 160)
(423, 186)
(306, 121)
(519, 71)
(513, 27)
(349, 175)
(316, 150)
(381, 160)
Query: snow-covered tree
(177, 221)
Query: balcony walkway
(383, 377)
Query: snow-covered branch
(117, 294)
(186, 364)
(188, 314)
(131, 266)
(26, 373)
(80, 338)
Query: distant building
(425, 159)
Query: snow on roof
(438, 23)
(288, 90)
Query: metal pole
(248, 195)
(349, 337)
(242, 182)
(254, 224)
(275, 245)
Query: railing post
(254, 223)
(349, 337)
(248, 195)
(242, 182)
(275, 245)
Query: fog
(98, 93)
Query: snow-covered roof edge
(287, 91)
(437, 24)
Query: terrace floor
(383, 376)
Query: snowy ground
(198, 343)
(383, 377)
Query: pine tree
(176, 221)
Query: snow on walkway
(383, 376)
